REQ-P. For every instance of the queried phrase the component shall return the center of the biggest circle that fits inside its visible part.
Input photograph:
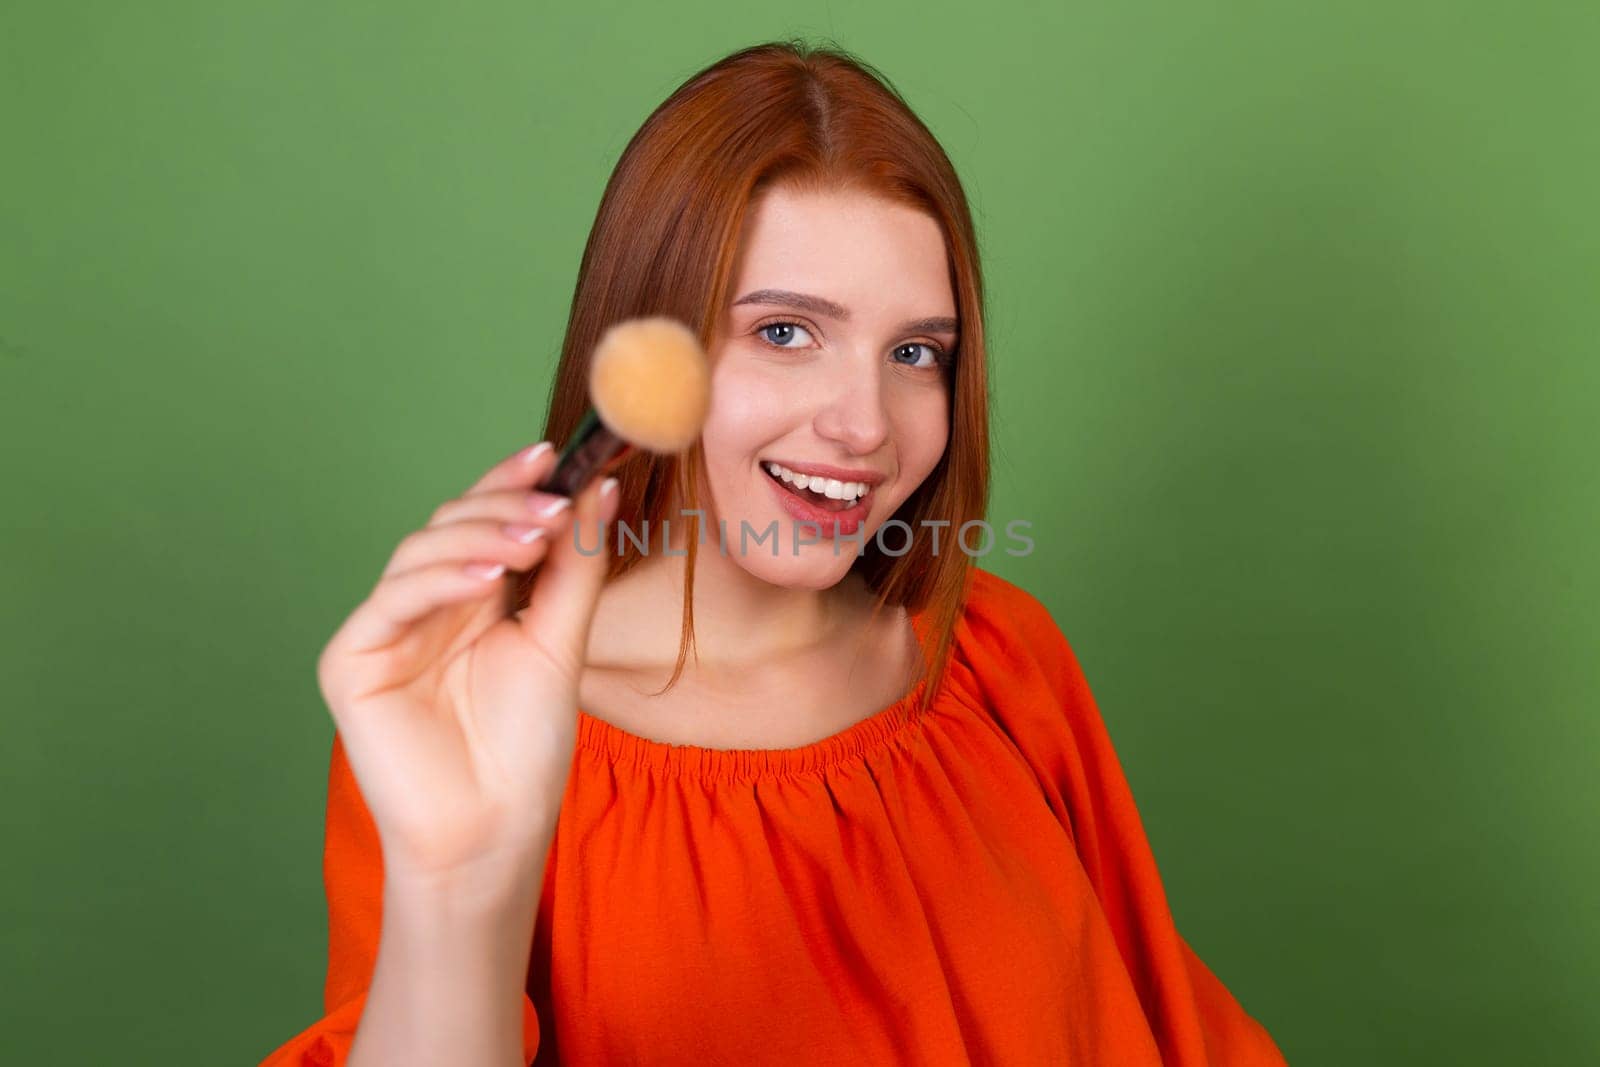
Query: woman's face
(830, 360)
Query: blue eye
(936, 354)
(790, 326)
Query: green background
(1293, 317)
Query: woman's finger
(397, 603)
(508, 505)
(562, 600)
(515, 543)
(526, 467)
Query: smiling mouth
(816, 498)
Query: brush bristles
(650, 383)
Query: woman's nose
(854, 414)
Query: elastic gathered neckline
(698, 761)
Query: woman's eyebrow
(819, 305)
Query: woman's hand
(459, 718)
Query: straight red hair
(663, 243)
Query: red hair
(664, 241)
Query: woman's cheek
(751, 410)
(921, 432)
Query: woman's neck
(739, 620)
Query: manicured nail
(555, 506)
(528, 455)
(608, 487)
(526, 534)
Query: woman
(824, 799)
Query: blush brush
(649, 388)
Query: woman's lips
(802, 510)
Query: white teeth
(832, 488)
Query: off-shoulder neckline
(605, 739)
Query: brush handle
(591, 450)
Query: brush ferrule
(591, 450)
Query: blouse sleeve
(1033, 681)
(352, 874)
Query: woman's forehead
(843, 255)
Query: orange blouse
(967, 885)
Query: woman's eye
(781, 334)
(935, 354)
(786, 331)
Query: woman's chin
(810, 566)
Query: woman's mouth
(808, 499)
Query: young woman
(836, 799)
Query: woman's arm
(452, 963)
(1037, 687)
(435, 950)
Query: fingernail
(526, 534)
(528, 455)
(555, 506)
(608, 487)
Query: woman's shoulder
(1027, 681)
(999, 612)
(1014, 654)
(986, 589)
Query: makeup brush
(649, 388)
